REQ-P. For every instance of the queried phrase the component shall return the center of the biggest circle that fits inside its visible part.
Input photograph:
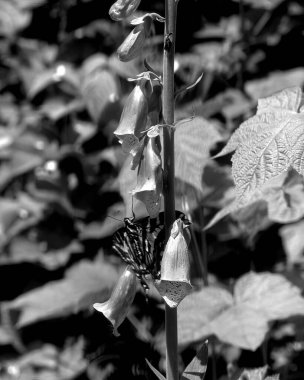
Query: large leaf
(283, 196)
(241, 319)
(100, 88)
(84, 284)
(269, 143)
(193, 140)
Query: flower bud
(134, 116)
(174, 283)
(117, 307)
(134, 43)
(123, 9)
(149, 177)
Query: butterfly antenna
(132, 204)
(112, 217)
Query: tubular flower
(123, 9)
(150, 177)
(134, 42)
(117, 306)
(134, 115)
(174, 283)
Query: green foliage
(65, 188)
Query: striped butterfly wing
(140, 244)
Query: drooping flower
(134, 116)
(150, 176)
(117, 306)
(174, 283)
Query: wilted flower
(150, 177)
(117, 306)
(174, 283)
(123, 9)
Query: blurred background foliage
(63, 176)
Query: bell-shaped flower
(133, 119)
(174, 283)
(117, 306)
(150, 176)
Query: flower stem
(169, 194)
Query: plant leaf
(197, 368)
(155, 371)
(293, 242)
(283, 195)
(270, 294)
(276, 81)
(84, 284)
(269, 143)
(193, 141)
(241, 320)
(198, 309)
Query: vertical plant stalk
(168, 191)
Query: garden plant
(152, 191)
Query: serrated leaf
(84, 284)
(283, 195)
(193, 140)
(269, 143)
(197, 368)
(241, 320)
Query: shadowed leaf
(155, 371)
(197, 368)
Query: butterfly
(140, 244)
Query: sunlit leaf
(274, 82)
(269, 143)
(283, 196)
(241, 320)
(198, 309)
(100, 88)
(84, 284)
(193, 140)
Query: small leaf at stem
(197, 368)
(189, 86)
(155, 371)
